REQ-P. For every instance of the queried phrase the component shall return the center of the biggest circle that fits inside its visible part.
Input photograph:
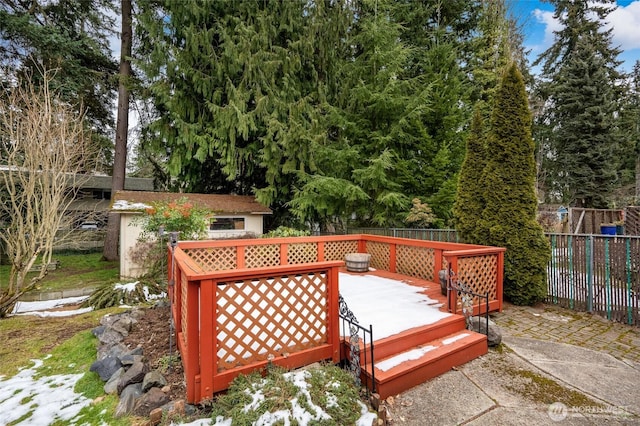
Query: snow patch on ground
(47, 399)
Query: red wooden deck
(415, 355)
(240, 304)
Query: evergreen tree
(469, 197)
(71, 37)
(586, 133)
(237, 86)
(629, 129)
(580, 92)
(509, 215)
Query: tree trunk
(122, 126)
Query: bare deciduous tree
(44, 150)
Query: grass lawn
(76, 270)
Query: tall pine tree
(469, 202)
(580, 91)
(509, 215)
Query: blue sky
(538, 24)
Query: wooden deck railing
(240, 304)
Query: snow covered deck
(239, 305)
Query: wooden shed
(235, 216)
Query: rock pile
(143, 392)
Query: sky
(539, 24)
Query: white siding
(129, 233)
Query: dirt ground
(152, 333)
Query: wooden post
(240, 257)
(320, 245)
(207, 337)
(333, 316)
(191, 363)
(392, 257)
(500, 283)
(437, 265)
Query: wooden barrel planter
(357, 262)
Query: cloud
(551, 24)
(625, 22)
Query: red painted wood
(240, 257)
(500, 280)
(298, 359)
(203, 381)
(432, 364)
(392, 258)
(333, 317)
(191, 361)
(408, 339)
(320, 251)
(207, 337)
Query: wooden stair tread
(404, 362)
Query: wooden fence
(240, 304)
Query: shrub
(283, 231)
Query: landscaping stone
(129, 359)
(152, 399)
(123, 325)
(135, 374)
(97, 331)
(128, 399)
(111, 387)
(494, 336)
(106, 367)
(117, 350)
(153, 379)
(110, 337)
(126, 373)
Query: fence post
(590, 274)
(207, 337)
(628, 273)
(607, 277)
(572, 282)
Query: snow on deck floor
(391, 306)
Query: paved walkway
(555, 367)
(554, 324)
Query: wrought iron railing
(471, 302)
(353, 350)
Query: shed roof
(219, 203)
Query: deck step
(408, 339)
(406, 369)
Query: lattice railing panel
(183, 303)
(380, 255)
(298, 253)
(214, 258)
(415, 261)
(479, 274)
(337, 250)
(261, 256)
(277, 316)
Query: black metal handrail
(468, 296)
(350, 359)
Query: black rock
(135, 374)
(106, 367)
(128, 398)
